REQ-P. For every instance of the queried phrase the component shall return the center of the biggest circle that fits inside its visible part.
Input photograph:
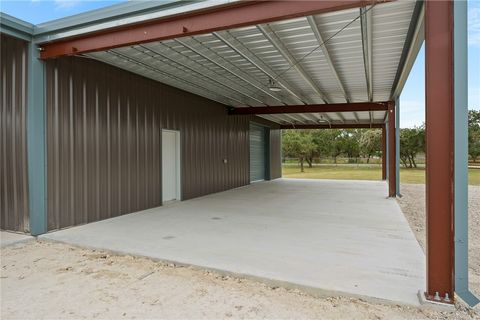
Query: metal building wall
(13, 132)
(103, 142)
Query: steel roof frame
(196, 70)
(334, 126)
(313, 25)
(367, 35)
(228, 66)
(238, 47)
(333, 107)
(294, 64)
(227, 16)
(15, 27)
(213, 95)
(413, 43)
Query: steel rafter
(219, 61)
(197, 68)
(270, 35)
(367, 35)
(233, 15)
(319, 108)
(243, 51)
(212, 95)
(316, 31)
(334, 126)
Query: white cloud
(474, 26)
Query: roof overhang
(15, 27)
(191, 22)
(228, 51)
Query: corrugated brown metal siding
(13, 134)
(275, 153)
(103, 140)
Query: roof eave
(15, 27)
(120, 15)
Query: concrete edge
(17, 242)
(315, 292)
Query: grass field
(362, 172)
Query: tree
(370, 143)
(324, 140)
(298, 144)
(337, 144)
(350, 144)
(412, 141)
(474, 119)
(474, 134)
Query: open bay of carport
(322, 236)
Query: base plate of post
(436, 302)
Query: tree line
(307, 145)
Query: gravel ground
(42, 280)
(413, 206)
(56, 281)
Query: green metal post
(461, 153)
(36, 143)
(397, 145)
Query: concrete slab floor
(10, 238)
(334, 237)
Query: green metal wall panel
(258, 153)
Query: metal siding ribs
(14, 213)
(104, 153)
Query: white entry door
(170, 165)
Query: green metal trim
(460, 55)
(409, 43)
(266, 136)
(113, 12)
(36, 143)
(268, 155)
(397, 145)
(122, 14)
(15, 27)
(386, 149)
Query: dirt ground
(413, 206)
(57, 281)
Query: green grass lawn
(362, 172)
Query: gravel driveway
(413, 206)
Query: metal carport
(326, 55)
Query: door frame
(178, 164)
(266, 132)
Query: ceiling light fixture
(273, 86)
(322, 119)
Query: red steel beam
(333, 126)
(392, 171)
(235, 15)
(384, 153)
(334, 107)
(439, 148)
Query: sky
(412, 99)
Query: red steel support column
(392, 172)
(440, 147)
(384, 153)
